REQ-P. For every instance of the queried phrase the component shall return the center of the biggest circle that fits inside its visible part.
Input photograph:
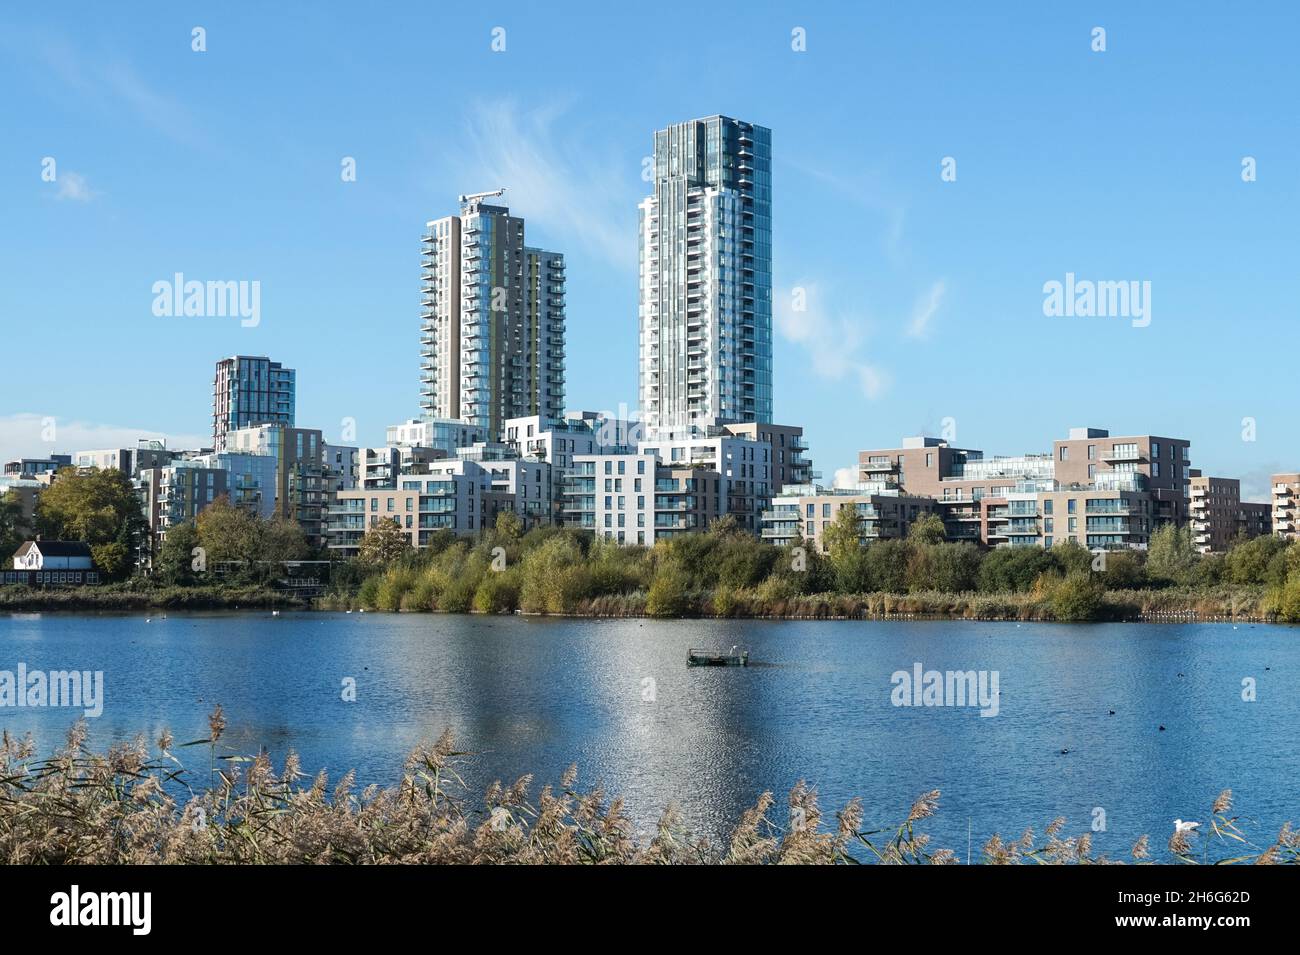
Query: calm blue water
(533, 695)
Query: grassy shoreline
(1233, 604)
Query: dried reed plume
(130, 806)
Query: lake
(532, 695)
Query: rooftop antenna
(475, 196)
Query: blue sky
(925, 298)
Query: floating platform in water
(735, 657)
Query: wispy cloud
(833, 343)
(73, 186)
(925, 309)
(24, 435)
(105, 82)
(869, 191)
(567, 185)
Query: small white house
(53, 555)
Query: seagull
(1180, 826)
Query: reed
(136, 804)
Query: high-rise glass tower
(492, 328)
(248, 390)
(706, 276)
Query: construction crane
(475, 196)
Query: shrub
(498, 592)
(1288, 601)
(1077, 597)
(393, 587)
(368, 592)
(668, 596)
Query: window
(1065, 454)
(1092, 452)
(1069, 506)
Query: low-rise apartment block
(177, 494)
(634, 499)
(1219, 516)
(1286, 494)
(1103, 492)
(302, 488)
(806, 512)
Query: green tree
(843, 543)
(280, 539)
(13, 529)
(669, 594)
(228, 533)
(175, 559)
(1123, 571)
(383, 543)
(950, 568)
(1255, 561)
(1080, 596)
(554, 578)
(1014, 569)
(885, 566)
(1171, 556)
(509, 528)
(926, 529)
(98, 507)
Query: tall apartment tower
(492, 320)
(248, 391)
(706, 277)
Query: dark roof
(56, 548)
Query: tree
(98, 507)
(669, 591)
(1255, 561)
(843, 543)
(950, 568)
(1171, 556)
(228, 533)
(555, 578)
(175, 558)
(926, 529)
(13, 529)
(1123, 571)
(1078, 597)
(281, 539)
(385, 541)
(509, 527)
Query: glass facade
(706, 276)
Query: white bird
(1180, 826)
(275, 613)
